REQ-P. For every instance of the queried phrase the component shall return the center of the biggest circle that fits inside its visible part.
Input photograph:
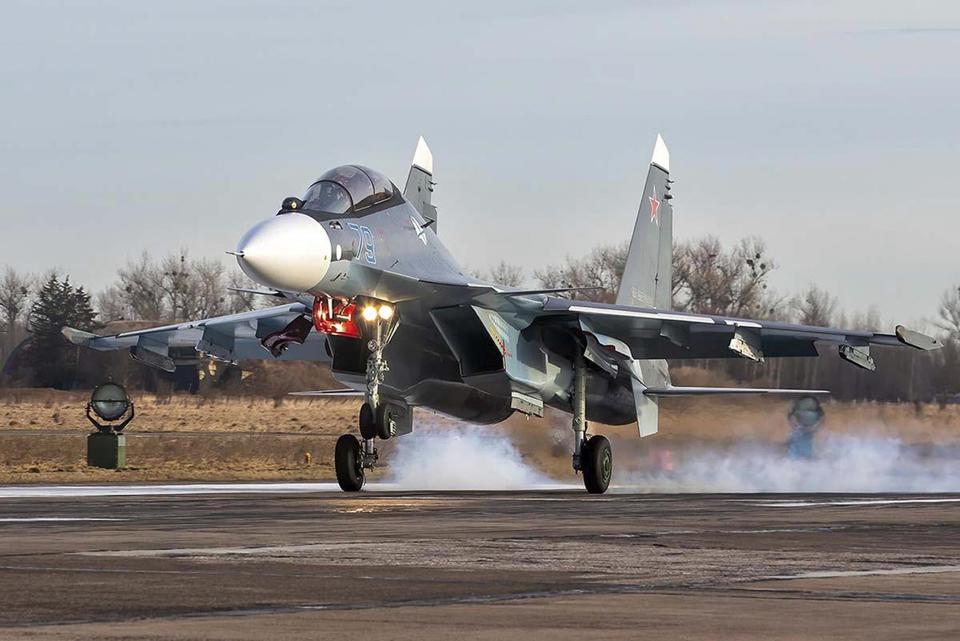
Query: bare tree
(948, 316)
(15, 291)
(140, 286)
(815, 306)
(111, 304)
(14, 294)
(866, 321)
(711, 280)
(198, 289)
(601, 268)
(175, 288)
(243, 301)
(507, 274)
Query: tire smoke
(461, 458)
(842, 463)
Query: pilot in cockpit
(348, 189)
(327, 196)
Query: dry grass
(185, 438)
(26, 409)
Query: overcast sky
(830, 129)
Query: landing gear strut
(592, 457)
(352, 456)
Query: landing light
(386, 312)
(369, 313)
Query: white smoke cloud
(461, 458)
(443, 455)
(842, 463)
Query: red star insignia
(654, 208)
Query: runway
(302, 561)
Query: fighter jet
(368, 285)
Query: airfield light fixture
(807, 412)
(110, 403)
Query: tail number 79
(365, 244)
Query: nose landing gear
(351, 457)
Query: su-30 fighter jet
(369, 286)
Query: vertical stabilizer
(420, 183)
(648, 274)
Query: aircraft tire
(348, 461)
(367, 421)
(383, 421)
(597, 464)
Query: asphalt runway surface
(303, 561)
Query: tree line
(146, 292)
(709, 278)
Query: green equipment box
(107, 450)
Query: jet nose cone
(290, 252)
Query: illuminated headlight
(386, 312)
(369, 313)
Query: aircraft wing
(657, 334)
(275, 332)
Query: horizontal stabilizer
(716, 391)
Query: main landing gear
(348, 460)
(592, 457)
(376, 420)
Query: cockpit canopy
(348, 189)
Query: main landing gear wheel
(596, 460)
(348, 460)
(368, 422)
(384, 418)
